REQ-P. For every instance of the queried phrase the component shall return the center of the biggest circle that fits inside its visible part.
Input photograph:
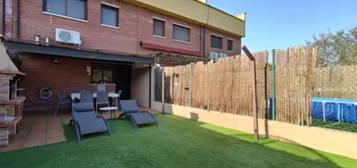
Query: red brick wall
(236, 43)
(65, 77)
(135, 26)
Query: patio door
(123, 80)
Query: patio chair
(86, 121)
(61, 100)
(101, 88)
(102, 99)
(131, 110)
(118, 99)
(85, 96)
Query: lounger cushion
(142, 118)
(84, 107)
(92, 126)
(129, 106)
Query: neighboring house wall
(135, 25)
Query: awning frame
(21, 47)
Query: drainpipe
(3, 17)
(203, 40)
(17, 19)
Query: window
(159, 28)
(110, 15)
(103, 73)
(181, 33)
(230, 45)
(71, 8)
(216, 41)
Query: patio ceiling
(21, 47)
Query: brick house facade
(23, 21)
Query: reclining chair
(131, 111)
(86, 121)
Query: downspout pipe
(3, 17)
(203, 40)
(18, 19)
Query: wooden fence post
(273, 86)
(255, 96)
(190, 91)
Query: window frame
(44, 11)
(183, 26)
(153, 24)
(232, 45)
(111, 6)
(218, 37)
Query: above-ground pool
(330, 109)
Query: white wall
(332, 141)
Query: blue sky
(284, 23)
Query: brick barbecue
(11, 106)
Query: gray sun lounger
(86, 121)
(131, 111)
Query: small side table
(112, 111)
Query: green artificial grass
(177, 143)
(335, 125)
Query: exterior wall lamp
(55, 60)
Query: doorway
(123, 81)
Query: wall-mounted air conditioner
(213, 55)
(68, 36)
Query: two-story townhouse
(72, 45)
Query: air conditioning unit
(213, 55)
(222, 55)
(68, 36)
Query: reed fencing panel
(336, 82)
(223, 85)
(294, 83)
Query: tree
(336, 49)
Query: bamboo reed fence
(294, 83)
(336, 82)
(223, 85)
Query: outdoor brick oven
(11, 106)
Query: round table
(112, 111)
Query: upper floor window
(110, 15)
(159, 28)
(71, 8)
(181, 33)
(216, 42)
(230, 45)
